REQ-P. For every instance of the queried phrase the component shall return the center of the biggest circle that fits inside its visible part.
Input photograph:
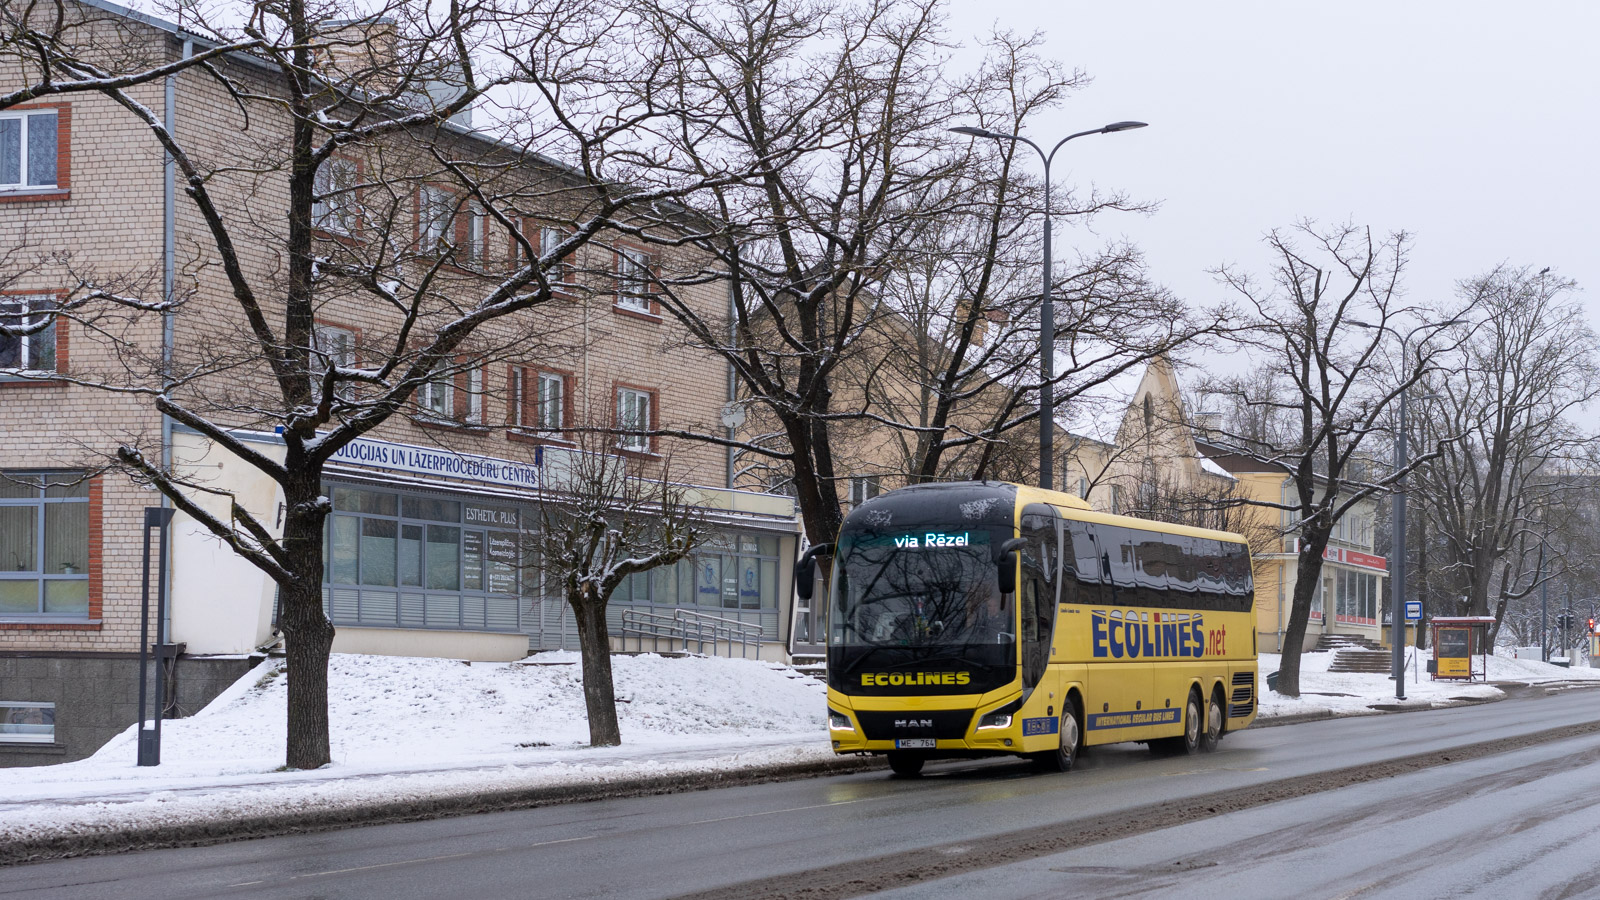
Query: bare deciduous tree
(1327, 396)
(601, 521)
(1510, 394)
(335, 173)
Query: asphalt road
(976, 822)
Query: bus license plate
(914, 744)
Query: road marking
(423, 859)
(773, 812)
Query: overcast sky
(1472, 125)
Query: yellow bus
(983, 618)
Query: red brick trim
(63, 188)
(50, 626)
(31, 383)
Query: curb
(203, 833)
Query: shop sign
(390, 457)
(1351, 557)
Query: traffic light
(1591, 625)
(1563, 621)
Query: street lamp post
(1047, 322)
(1397, 562)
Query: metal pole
(163, 635)
(145, 749)
(1544, 609)
(1397, 578)
(1047, 354)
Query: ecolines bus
(973, 619)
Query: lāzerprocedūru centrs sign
(372, 454)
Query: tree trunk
(308, 635)
(599, 694)
(1307, 574)
(1423, 586)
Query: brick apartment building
(421, 546)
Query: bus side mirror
(1008, 564)
(805, 571)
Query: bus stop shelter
(1460, 648)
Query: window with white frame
(435, 208)
(863, 488)
(633, 415)
(335, 208)
(550, 238)
(477, 229)
(474, 386)
(28, 341)
(436, 398)
(633, 280)
(550, 400)
(23, 722)
(28, 150)
(332, 347)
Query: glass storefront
(418, 559)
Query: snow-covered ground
(1354, 693)
(413, 729)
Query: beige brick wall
(110, 230)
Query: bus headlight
(839, 722)
(1000, 717)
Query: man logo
(913, 723)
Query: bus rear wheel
(1069, 744)
(1188, 742)
(1211, 735)
(906, 765)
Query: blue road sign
(1413, 610)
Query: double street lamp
(1397, 563)
(1047, 322)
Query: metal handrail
(688, 626)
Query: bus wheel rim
(1192, 727)
(1214, 720)
(1069, 735)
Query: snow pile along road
(412, 729)
(1355, 693)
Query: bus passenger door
(1036, 593)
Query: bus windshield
(929, 590)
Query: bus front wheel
(906, 765)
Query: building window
(435, 209)
(27, 723)
(1083, 488)
(28, 145)
(863, 488)
(417, 560)
(633, 281)
(729, 572)
(335, 209)
(332, 347)
(633, 415)
(35, 349)
(549, 239)
(545, 406)
(436, 397)
(477, 229)
(44, 545)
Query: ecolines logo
(913, 679)
(1132, 635)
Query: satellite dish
(732, 415)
